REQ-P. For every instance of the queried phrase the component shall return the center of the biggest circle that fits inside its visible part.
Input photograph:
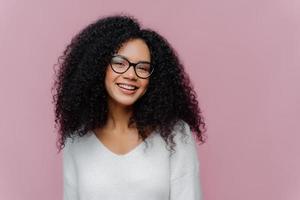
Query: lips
(126, 90)
(127, 86)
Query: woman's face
(134, 50)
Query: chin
(125, 102)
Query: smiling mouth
(127, 87)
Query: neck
(118, 116)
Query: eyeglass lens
(120, 65)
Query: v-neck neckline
(129, 153)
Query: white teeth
(127, 86)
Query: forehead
(135, 50)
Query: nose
(130, 73)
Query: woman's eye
(119, 63)
(144, 67)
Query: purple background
(243, 59)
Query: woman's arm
(185, 177)
(69, 173)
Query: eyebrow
(128, 59)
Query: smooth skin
(116, 135)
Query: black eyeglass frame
(132, 64)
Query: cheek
(145, 84)
(109, 77)
(108, 81)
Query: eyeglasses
(120, 65)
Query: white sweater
(93, 172)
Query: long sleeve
(69, 173)
(185, 177)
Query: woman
(120, 88)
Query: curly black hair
(80, 96)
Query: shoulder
(185, 142)
(77, 142)
(185, 159)
(183, 134)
